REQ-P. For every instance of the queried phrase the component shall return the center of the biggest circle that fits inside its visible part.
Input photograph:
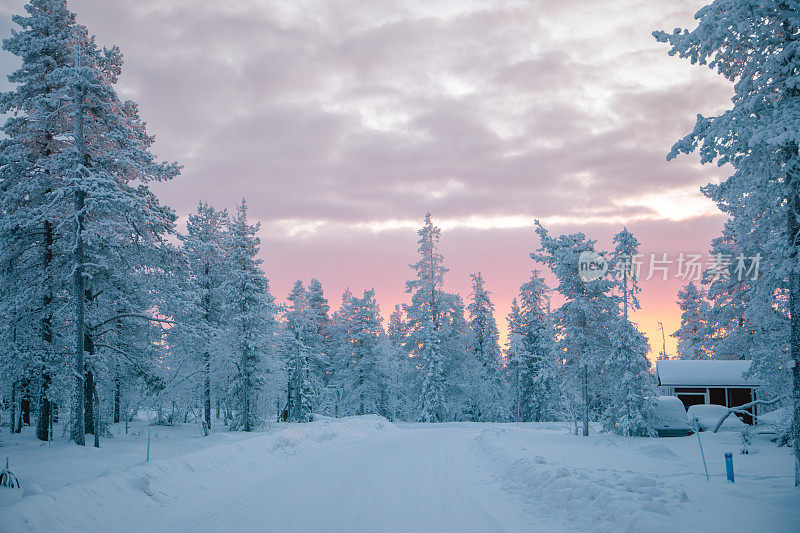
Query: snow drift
(592, 501)
(133, 492)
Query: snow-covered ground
(366, 474)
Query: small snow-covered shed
(709, 381)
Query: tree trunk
(794, 310)
(360, 392)
(25, 404)
(78, 295)
(585, 388)
(88, 403)
(96, 417)
(291, 396)
(78, 279)
(207, 391)
(117, 399)
(43, 422)
(625, 291)
(13, 424)
(247, 421)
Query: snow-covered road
(365, 474)
(417, 479)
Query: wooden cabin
(708, 381)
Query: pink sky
(343, 122)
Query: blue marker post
(729, 466)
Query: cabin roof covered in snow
(694, 373)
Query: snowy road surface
(411, 480)
(366, 474)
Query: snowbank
(591, 500)
(708, 416)
(132, 492)
(774, 418)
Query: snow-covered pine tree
(623, 262)
(533, 370)
(594, 335)
(360, 366)
(584, 320)
(734, 328)
(301, 353)
(399, 367)
(424, 323)
(693, 334)
(29, 218)
(318, 305)
(320, 316)
(630, 408)
(206, 248)
(336, 353)
(396, 328)
(249, 317)
(755, 46)
(455, 356)
(489, 399)
(101, 168)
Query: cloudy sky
(342, 122)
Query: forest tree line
(104, 314)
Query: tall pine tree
(424, 323)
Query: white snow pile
(656, 450)
(708, 416)
(592, 500)
(774, 418)
(134, 491)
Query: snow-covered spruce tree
(584, 320)
(736, 327)
(107, 165)
(424, 323)
(396, 328)
(748, 292)
(319, 306)
(206, 247)
(488, 395)
(249, 318)
(398, 367)
(29, 219)
(457, 362)
(360, 369)
(321, 342)
(336, 353)
(631, 406)
(301, 349)
(533, 371)
(623, 262)
(755, 46)
(693, 334)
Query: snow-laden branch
(131, 315)
(741, 410)
(127, 356)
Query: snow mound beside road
(592, 500)
(132, 492)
